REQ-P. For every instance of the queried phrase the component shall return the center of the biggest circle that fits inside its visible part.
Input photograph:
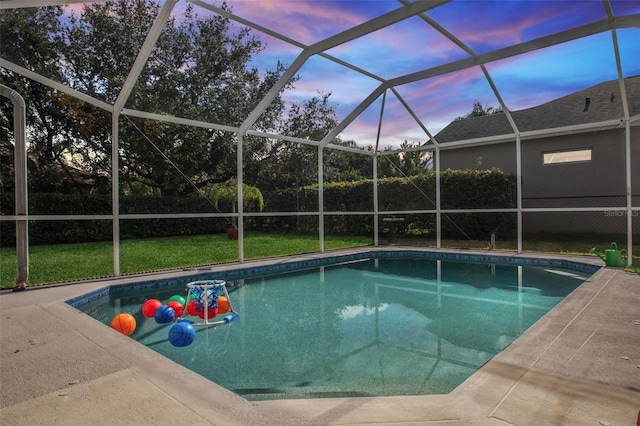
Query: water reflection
(385, 327)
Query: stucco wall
(598, 183)
(604, 175)
(502, 156)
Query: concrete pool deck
(578, 365)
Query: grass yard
(69, 262)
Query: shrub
(460, 189)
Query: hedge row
(460, 189)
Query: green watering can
(612, 256)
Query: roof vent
(587, 102)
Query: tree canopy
(478, 111)
(200, 69)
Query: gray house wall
(603, 176)
(600, 182)
(502, 156)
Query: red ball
(150, 307)
(211, 314)
(192, 309)
(177, 308)
(124, 323)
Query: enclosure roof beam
(628, 21)
(231, 129)
(354, 114)
(143, 54)
(225, 13)
(55, 85)
(273, 92)
(414, 115)
(368, 27)
(178, 120)
(496, 92)
(382, 21)
(280, 36)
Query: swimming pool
(375, 324)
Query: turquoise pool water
(368, 327)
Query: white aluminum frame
(406, 10)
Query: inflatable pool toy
(150, 307)
(208, 299)
(164, 314)
(178, 308)
(124, 323)
(179, 299)
(182, 334)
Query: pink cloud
(74, 7)
(306, 21)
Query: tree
(284, 164)
(340, 166)
(198, 69)
(409, 162)
(478, 111)
(32, 38)
(228, 193)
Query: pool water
(369, 328)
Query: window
(563, 157)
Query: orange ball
(223, 305)
(124, 323)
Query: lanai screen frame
(406, 10)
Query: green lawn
(67, 262)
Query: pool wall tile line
(250, 271)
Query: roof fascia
(536, 134)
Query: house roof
(598, 103)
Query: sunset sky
(413, 45)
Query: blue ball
(182, 334)
(164, 314)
